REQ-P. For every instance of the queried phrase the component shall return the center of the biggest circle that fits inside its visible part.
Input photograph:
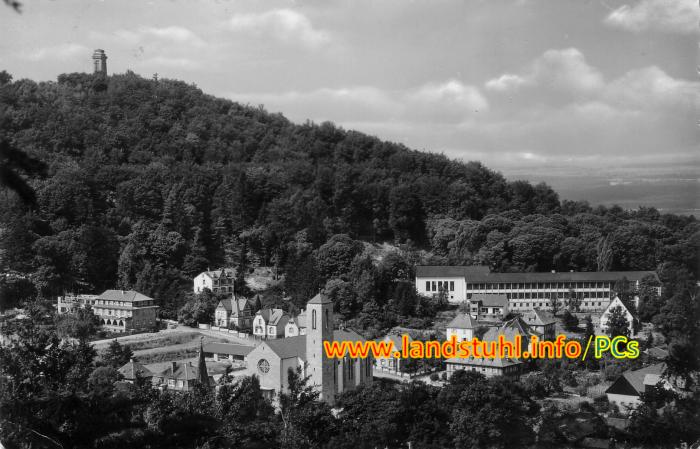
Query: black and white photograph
(349, 224)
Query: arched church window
(328, 321)
(313, 319)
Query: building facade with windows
(526, 291)
(118, 310)
(122, 310)
(235, 312)
(270, 323)
(218, 281)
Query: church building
(272, 359)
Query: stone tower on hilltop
(99, 58)
(320, 369)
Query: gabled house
(134, 370)
(489, 306)
(626, 390)
(296, 325)
(394, 365)
(270, 323)
(218, 281)
(235, 313)
(605, 317)
(542, 322)
(462, 327)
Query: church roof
(133, 369)
(319, 299)
(289, 347)
(537, 317)
(462, 321)
(509, 330)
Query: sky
(575, 85)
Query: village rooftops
(124, 296)
(490, 299)
(484, 362)
(235, 303)
(271, 316)
(537, 317)
(638, 379)
(449, 271)
(227, 348)
(221, 272)
(462, 321)
(134, 369)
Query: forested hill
(152, 181)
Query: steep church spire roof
(202, 374)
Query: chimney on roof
(554, 271)
(123, 292)
(131, 360)
(571, 271)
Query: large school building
(525, 291)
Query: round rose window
(264, 366)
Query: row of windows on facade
(124, 313)
(548, 295)
(536, 285)
(436, 286)
(547, 304)
(102, 302)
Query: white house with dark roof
(272, 359)
(392, 365)
(296, 325)
(462, 327)
(235, 312)
(270, 323)
(489, 367)
(542, 322)
(605, 317)
(627, 389)
(218, 281)
(489, 306)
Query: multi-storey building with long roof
(525, 291)
(122, 310)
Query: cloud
(150, 35)
(505, 82)
(174, 34)
(673, 16)
(58, 52)
(284, 25)
(447, 102)
(565, 70)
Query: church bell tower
(319, 328)
(99, 58)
